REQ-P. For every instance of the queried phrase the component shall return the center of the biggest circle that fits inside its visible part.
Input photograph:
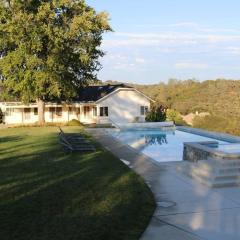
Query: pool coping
(211, 134)
(201, 145)
(154, 228)
(210, 152)
(155, 162)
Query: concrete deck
(186, 209)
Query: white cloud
(140, 60)
(190, 66)
(201, 28)
(185, 24)
(167, 39)
(234, 50)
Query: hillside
(217, 97)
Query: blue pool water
(162, 146)
(229, 148)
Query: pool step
(214, 172)
(218, 170)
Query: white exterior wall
(123, 106)
(18, 117)
(88, 117)
(50, 117)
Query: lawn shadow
(49, 194)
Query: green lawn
(48, 194)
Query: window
(55, 112)
(9, 111)
(95, 111)
(78, 111)
(58, 111)
(146, 110)
(143, 110)
(72, 110)
(103, 111)
(27, 113)
(35, 111)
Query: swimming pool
(228, 148)
(162, 146)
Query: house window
(27, 113)
(35, 110)
(9, 111)
(103, 111)
(95, 111)
(78, 111)
(143, 110)
(58, 111)
(51, 111)
(55, 112)
(72, 110)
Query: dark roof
(94, 93)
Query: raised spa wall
(195, 151)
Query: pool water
(162, 146)
(229, 148)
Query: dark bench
(74, 142)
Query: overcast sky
(155, 40)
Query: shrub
(156, 114)
(1, 116)
(74, 122)
(36, 124)
(175, 116)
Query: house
(94, 104)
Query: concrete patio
(186, 209)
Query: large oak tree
(49, 49)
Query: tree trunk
(41, 111)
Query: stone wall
(194, 152)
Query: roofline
(118, 89)
(85, 102)
(144, 95)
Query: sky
(155, 40)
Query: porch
(26, 114)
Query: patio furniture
(74, 142)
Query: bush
(74, 122)
(36, 124)
(1, 116)
(175, 116)
(156, 114)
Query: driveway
(186, 209)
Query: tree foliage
(219, 97)
(1, 116)
(156, 114)
(175, 116)
(49, 49)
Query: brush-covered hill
(214, 96)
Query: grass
(48, 194)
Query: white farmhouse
(95, 104)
